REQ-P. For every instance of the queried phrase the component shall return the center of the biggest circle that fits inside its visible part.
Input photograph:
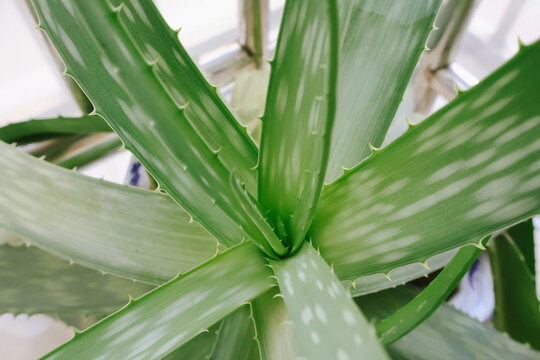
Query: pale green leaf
(34, 281)
(130, 97)
(153, 326)
(126, 231)
(326, 322)
(424, 304)
(376, 282)
(299, 115)
(447, 334)
(274, 330)
(43, 129)
(236, 337)
(517, 308)
(381, 41)
(467, 171)
(185, 84)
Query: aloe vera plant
(247, 252)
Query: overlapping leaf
(126, 231)
(447, 334)
(381, 41)
(161, 321)
(298, 118)
(36, 282)
(517, 309)
(125, 90)
(326, 322)
(43, 129)
(185, 84)
(436, 187)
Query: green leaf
(185, 84)
(299, 115)
(381, 41)
(437, 186)
(34, 281)
(123, 230)
(231, 338)
(325, 320)
(92, 153)
(376, 282)
(447, 334)
(424, 304)
(127, 93)
(169, 316)
(523, 236)
(517, 309)
(43, 129)
(274, 330)
(236, 337)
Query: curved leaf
(156, 324)
(517, 309)
(43, 129)
(130, 97)
(36, 282)
(326, 322)
(381, 41)
(299, 115)
(126, 231)
(447, 334)
(435, 188)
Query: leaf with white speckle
(326, 322)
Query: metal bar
(253, 28)
(452, 21)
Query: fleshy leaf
(185, 84)
(43, 129)
(117, 229)
(437, 186)
(127, 93)
(274, 330)
(447, 334)
(326, 322)
(381, 41)
(517, 309)
(299, 115)
(156, 324)
(34, 281)
(424, 304)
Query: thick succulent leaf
(34, 281)
(93, 152)
(376, 282)
(424, 304)
(126, 231)
(325, 320)
(184, 83)
(43, 129)
(381, 41)
(200, 347)
(523, 236)
(231, 338)
(467, 171)
(447, 334)
(156, 324)
(130, 97)
(517, 309)
(236, 337)
(299, 114)
(274, 330)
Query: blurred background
(474, 38)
